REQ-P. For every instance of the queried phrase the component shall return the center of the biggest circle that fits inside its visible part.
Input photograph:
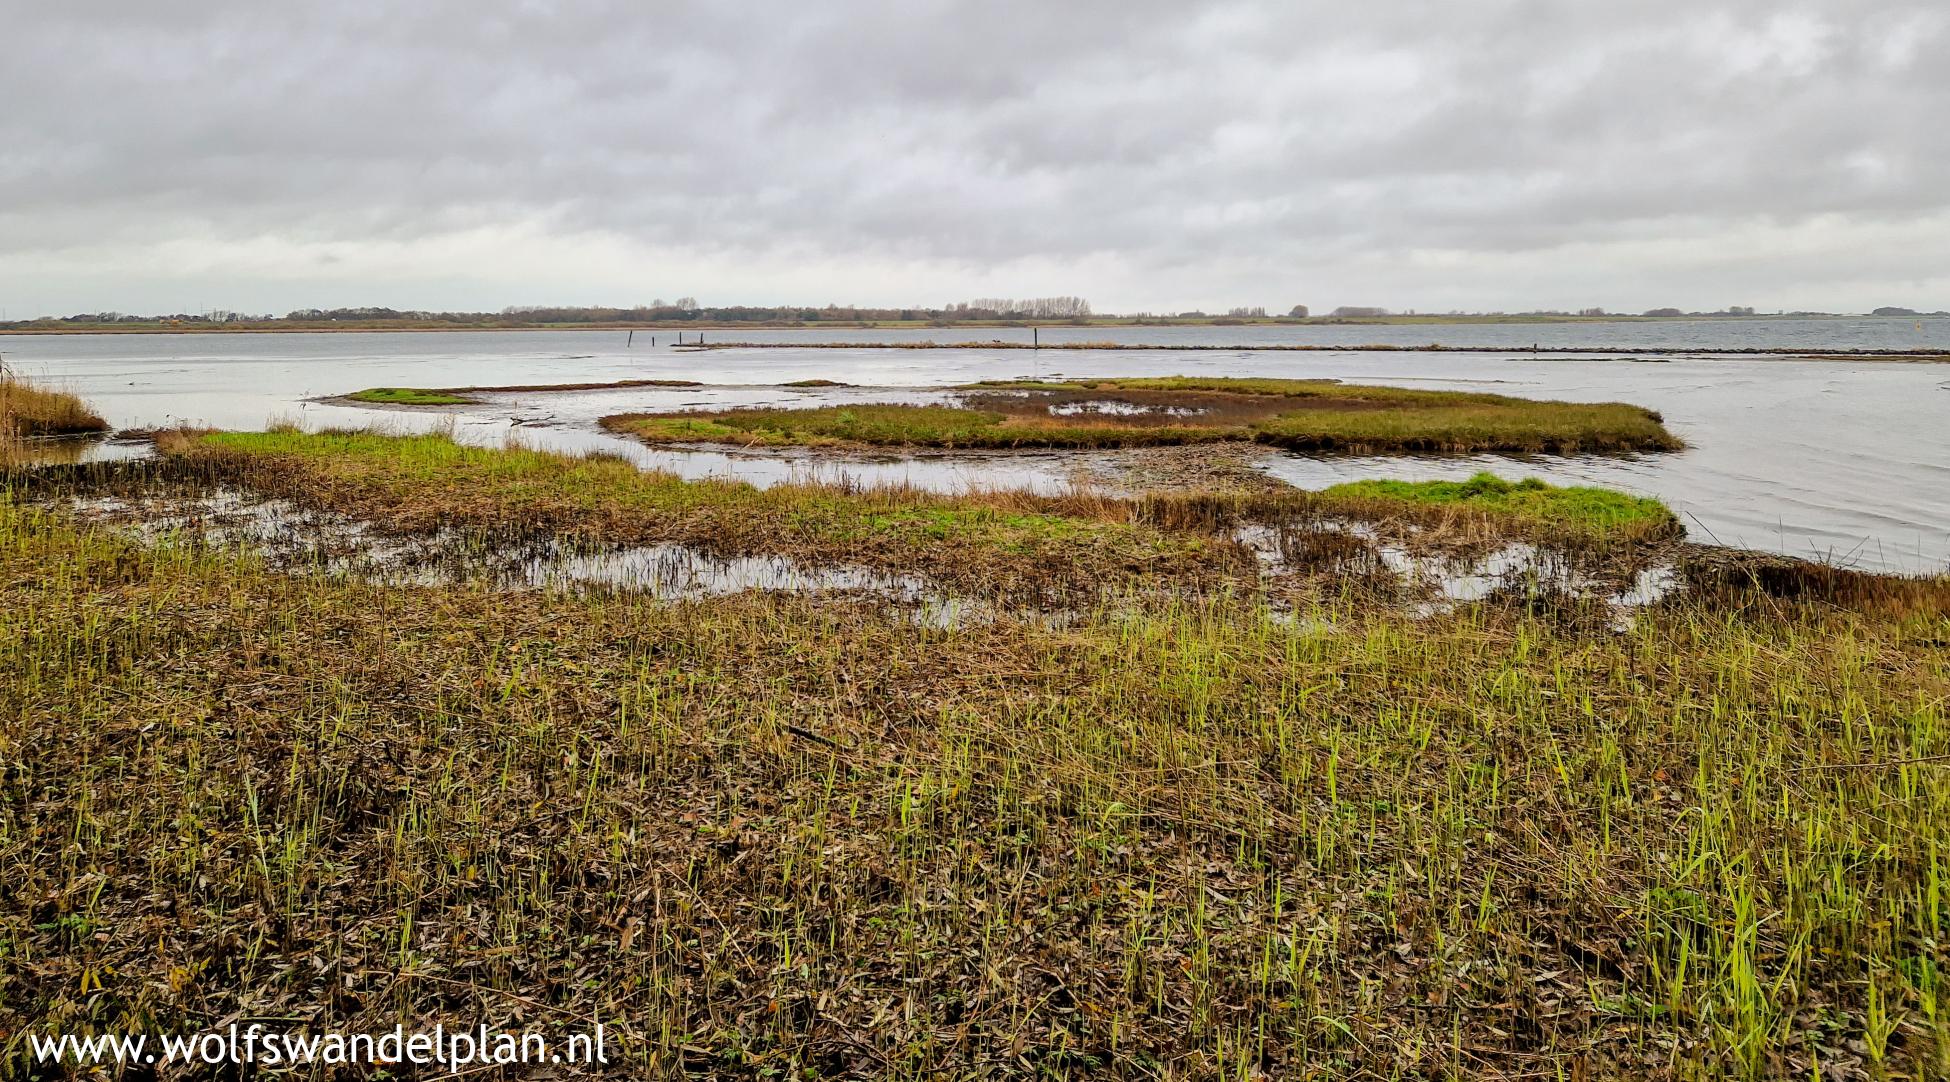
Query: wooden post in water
(630, 341)
(1035, 338)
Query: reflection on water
(297, 538)
(1448, 578)
(300, 540)
(1842, 460)
(67, 450)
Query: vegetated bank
(1192, 831)
(1301, 415)
(28, 410)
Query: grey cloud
(1143, 153)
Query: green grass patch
(1594, 510)
(410, 396)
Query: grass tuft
(27, 410)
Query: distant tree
(1895, 312)
(1350, 311)
(1664, 313)
(1247, 313)
(1298, 311)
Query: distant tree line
(218, 316)
(1668, 313)
(681, 310)
(1028, 308)
(688, 310)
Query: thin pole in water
(630, 341)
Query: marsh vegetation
(1304, 415)
(410, 396)
(28, 410)
(1248, 808)
(1601, 512)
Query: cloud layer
(1148, 155)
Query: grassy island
(1310, 415)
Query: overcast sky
(1148, 155)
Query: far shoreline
(36, 327)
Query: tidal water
(1841, 460)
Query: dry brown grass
(27, 410)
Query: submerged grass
(1002, 543)
(766, 837)
(1317, 415)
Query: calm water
(1848, 461)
